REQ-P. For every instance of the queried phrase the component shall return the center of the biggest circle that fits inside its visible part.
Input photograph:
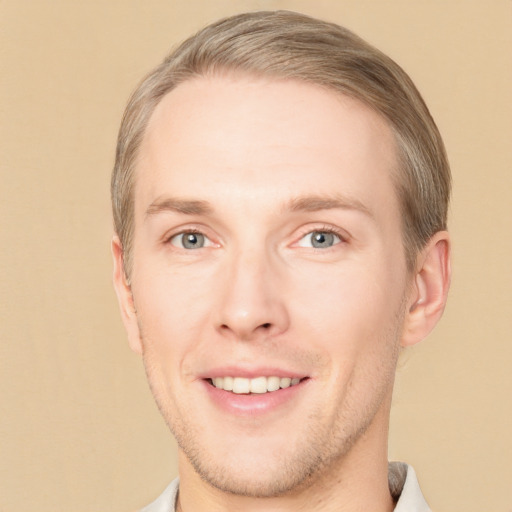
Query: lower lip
(254, 403)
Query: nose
(252, 298)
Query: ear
(429, 289)
(125, 297)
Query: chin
(261, 480)
(262, 469)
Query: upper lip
(251, 373)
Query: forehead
(241, 131)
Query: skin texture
(256, 166)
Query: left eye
(190, 240)
(319, 240)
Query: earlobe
(125, 297)
(429, 289)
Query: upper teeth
(241, 385)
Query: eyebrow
(310, 203)
(183, 206)
(314, 203)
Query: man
(280, 196)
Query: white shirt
(403, 485)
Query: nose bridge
(251, 304)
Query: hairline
(362, 72)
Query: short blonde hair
(288, 45)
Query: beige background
(78, 428)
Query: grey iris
(193, 240)
(321, 239)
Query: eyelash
(325, 229)
(187, 231)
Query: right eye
(320, 239)
(190, 240)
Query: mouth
(256, 385)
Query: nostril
(266, 326)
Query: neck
(357, 481)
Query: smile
(258, 385)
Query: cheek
(357, 322)
(171, 310)
(170, 291)
(354, 319)
(348, 299)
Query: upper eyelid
(327, 228)
(181, 230)
(188, 232)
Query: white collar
(404, 485)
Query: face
(269, 278)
